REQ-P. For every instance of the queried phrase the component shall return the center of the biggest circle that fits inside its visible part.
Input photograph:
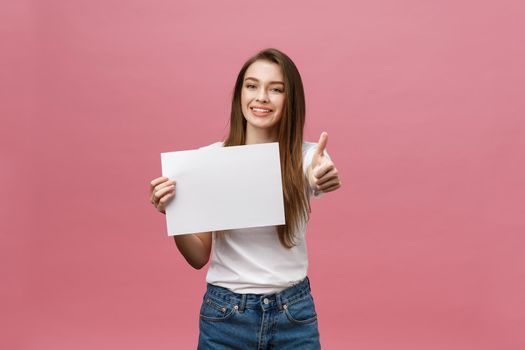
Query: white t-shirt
(253, 260)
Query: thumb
(323, 139)
(319, 152)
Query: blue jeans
(282, 321)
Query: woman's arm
(195, 248)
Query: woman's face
(262, 95)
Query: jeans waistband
(284, 297)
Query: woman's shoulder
(213, 145)
(308, 146)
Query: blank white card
(224, 188)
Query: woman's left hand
(322, 173)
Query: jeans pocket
(301, 311)
(215, 310)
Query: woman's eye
(278, 90)
(249, 86)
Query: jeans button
(266, 301)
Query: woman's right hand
(161, 190)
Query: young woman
(258, 293)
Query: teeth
(261, 110)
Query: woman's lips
(260, 112)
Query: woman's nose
(262, 96)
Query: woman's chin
(263, 126)
(261, 123)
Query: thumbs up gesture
(322, 174)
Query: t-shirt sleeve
(307, 161)
(213, 145)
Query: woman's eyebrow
(271, 82)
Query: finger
(160, 204)
(160, 193)
(331, 175)
(322, 169)
(159, 187)
(164, 184)
(157, 181)
(328, 185)
(333, 188)
(321, 145)
(164, 201)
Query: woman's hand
(322, 173)
(161, 190)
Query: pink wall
(422, 247)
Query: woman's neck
(255, 135)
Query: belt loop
(279, 301)
(243, 303)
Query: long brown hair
(290, 137)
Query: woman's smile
(261, 111)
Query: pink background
(422, 247)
